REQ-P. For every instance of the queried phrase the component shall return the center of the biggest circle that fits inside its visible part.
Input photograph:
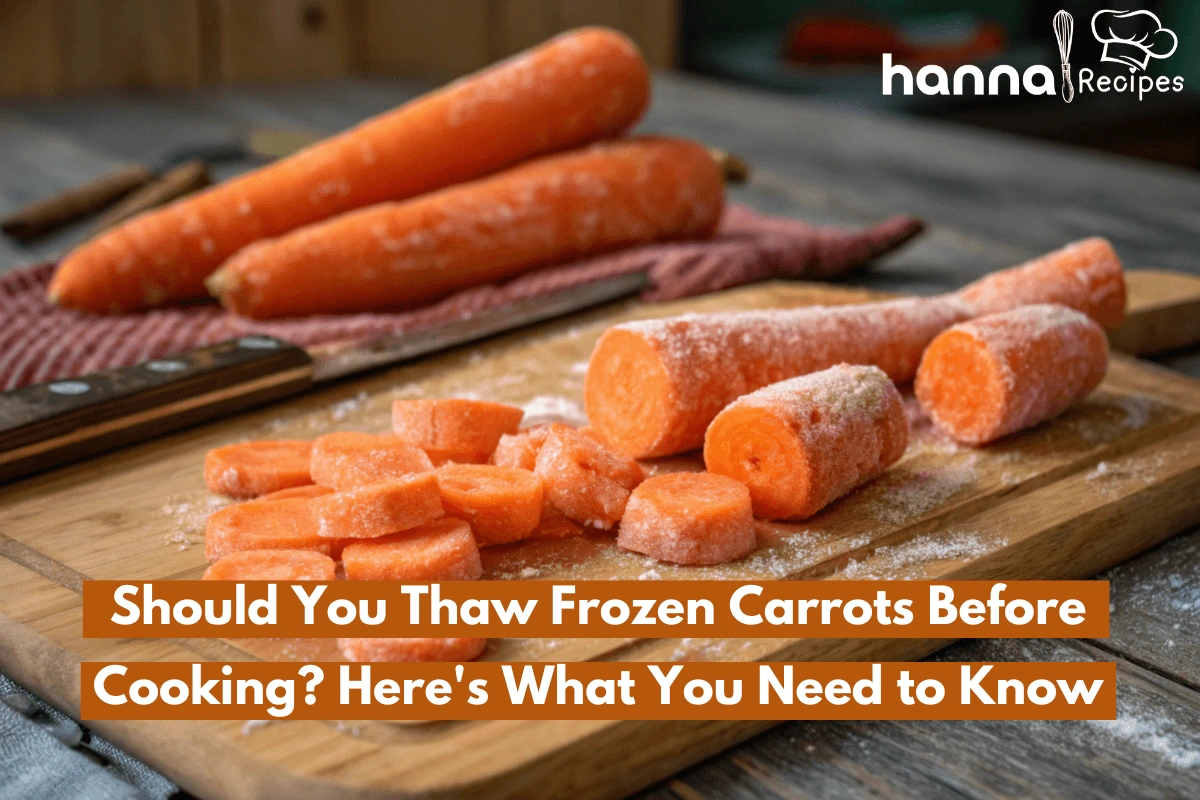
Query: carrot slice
(554, 525)
(347, 460)
(272, 565)
(412, 649)
(802, 443)
(310, 491)
(502, 504)
(689, 518)
(257, 525)
(454, 429)
(588, 482)
(516, 450)
(378, 509)
(249, 469)
(442, 550)
(1003, 373)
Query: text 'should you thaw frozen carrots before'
(347, 460)
(272, 565)
(259, 525)
(689, 518)
(802, 443)
(1003, 373)
(454, 429)
(585, 480)
(310, 491)
(541, 213)
(442, 550)
(581, 86)
(502, 504)
(366, 650)
(378, 509)
(250, 469)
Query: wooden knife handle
(46, 216)
(188, 177)
(49, 424)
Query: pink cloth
(40, 342)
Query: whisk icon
(1064, 29)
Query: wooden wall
(56, 46)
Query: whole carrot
(581, 86)
(543, 212)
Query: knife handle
(49, 424)
(43, 217)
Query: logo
(1132, 37)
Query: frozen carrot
(585, 480)
(378, 509)
(689, 518)
(544, 212)
(1003, 373)
(800, 444)
(310, 491)
(516, 450)
(257, 525)
(442, 550)
(412, 649)
(554, 525)
(582, 86)
(250, 469)
(454, 429)
(502, 504)
(347, 460)
(272, 565)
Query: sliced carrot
(454, 429)
(1003, 373)
(588, 482)
(412, 649)
(516, 450)
(378, 509)
(581, 86)
(502, 504)
(347, 460)
(548, 211)
(689, 518)
(802, 443)
(250, 469)
(554, 525)
(272, 565)
(442, 550)
(257, 525)
(310, 491)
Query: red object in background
(843, 40)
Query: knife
(50, 424)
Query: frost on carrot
(412, 649)
(454, 429)
(272, 565)
(501, 504)
(689, 518)
(442, 550)
(378, 509)
(250, 469)
(347, 460)
(587, 481)
(258, 525)
(310, 491)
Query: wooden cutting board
(1065, 500)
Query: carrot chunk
(516, 450)
(249, 469)
(554, 525)
(347, 460)
(689, 518)
(589, 482)
(454, 429)
(310, 491)
(257, 525)
(802, 443)
(271, 565)
(502, 504)
(412, 649)
(1003, 373)
(378, 509)
(442, 550)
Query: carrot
(554, 525)
(347, 460)
(454, 429)
(258, 525)
(1003, 373)
(516, 450)
(548, 211)
(652, 387)
(378, 509)
(689, 518)
(442, 550)
(250, 469)
(582, 86)
(585, 480)
(800, 444)
(502, 504)
(272, 565)
(310, 491)
(412, 649)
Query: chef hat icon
(1132, 37)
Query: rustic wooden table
(992, 201)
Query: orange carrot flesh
(379, 509)
(454, 429)
(554, 525)
(516, 450)
(689, 518)
(250, 469)
(543, 212)
(581, 86)
(347, 460)
(368, 650)
(502, 504)
(800, 444)
(256, 525)
(442, 550)
(1000, 374)
(272, 565)
(295, 492)
(587, 481)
